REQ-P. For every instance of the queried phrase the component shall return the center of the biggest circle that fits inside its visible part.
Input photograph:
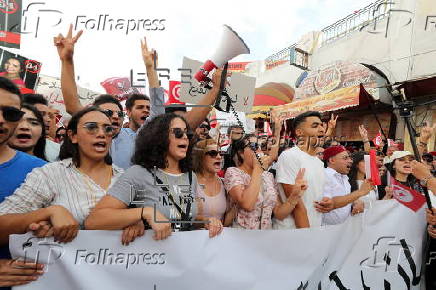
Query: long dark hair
(39, 149)
(237, 147)
(152, 143)
(71, 150)
(352, 175)
(411, 180)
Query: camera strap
(184, 216)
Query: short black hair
(105, 98)
(130, 102)
(302, 117)
(33, 99)
(7, 85)
(175, 109)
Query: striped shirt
(57, 183)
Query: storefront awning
(333, 101)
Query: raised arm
(198, 114)
(65, 47)
(426, 133)
(274, 153)
(364, 134)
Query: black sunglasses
(179, 133)
(92, 127)
(213, 153)
(11, 114)
(204, 126)
(253, 146)
(110, 113)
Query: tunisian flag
(377, 140)
(174, 93)
(407, 196)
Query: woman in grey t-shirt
(160, 183)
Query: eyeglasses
(253, 146)
(92, 127)
(11, 114)
(213, 153)
(179, 133)
(110, 113)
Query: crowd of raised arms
(107, 170)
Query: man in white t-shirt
(337, 188)
(309, 131)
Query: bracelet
(142, 215)
(422, 143)
(365, 141)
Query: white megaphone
(231, 45)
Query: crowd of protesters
(168, 164)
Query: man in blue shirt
(14, 166)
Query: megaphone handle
(222, 85)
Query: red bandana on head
(332, 151)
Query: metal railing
(353, 22)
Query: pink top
(260, 217)
(213, 206)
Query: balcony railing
(353, 22)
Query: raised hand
(300, 185)
(65, 45)
(148, 55)
(332, 121)
(426, 132)
(363, 133)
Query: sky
(185, 28)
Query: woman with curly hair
(29, 136)
(160, 182)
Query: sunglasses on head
(213, 153)
(92, 127)
(110, 113)
(11, 114)
(179, 133)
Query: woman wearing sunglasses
(29, 136)
(63, 193)
(212, 199)
(253, 190)
(160, 183)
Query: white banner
(370, 251)
(50, 87)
